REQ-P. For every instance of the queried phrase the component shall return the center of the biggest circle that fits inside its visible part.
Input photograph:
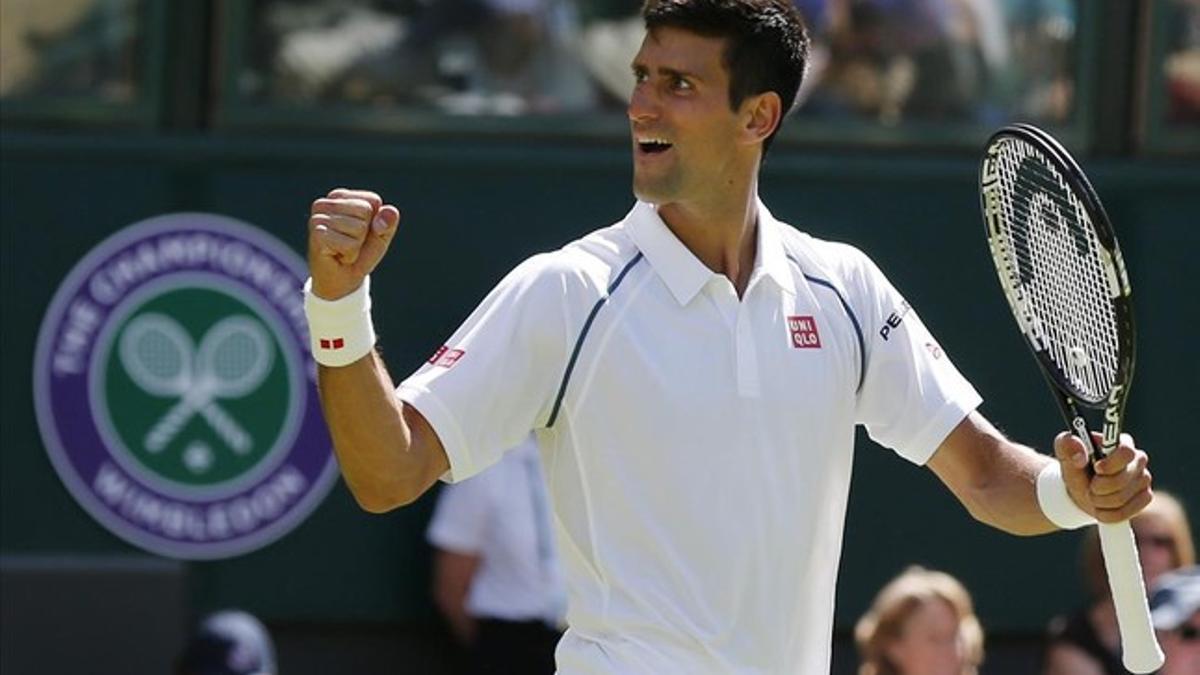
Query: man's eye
(639, 76)
(680, 83)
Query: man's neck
(722, 234)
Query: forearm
(388, 453)
(371, 437)
(461, 624)
(1008, 498)
(998, 485)
(453, 574)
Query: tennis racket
(233, 360)
(1062, 273)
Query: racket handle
(1139, 648)
(167, 428)
(229, 430)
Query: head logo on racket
(174, 388)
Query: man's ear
(762, 113)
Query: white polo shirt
(698, 448)
(502, 516)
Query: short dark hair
(767, 43)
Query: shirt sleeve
(460, 520)
(912, 396)
(495, 380)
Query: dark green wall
(474, 209)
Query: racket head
(157, 354)
(1058, 261)
(235, 356)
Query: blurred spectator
(1182, 64)
(924, 59)
(612, 34)
(500, 57)
(497, 578)
(1175, 612)
(1088, 641)
(70, 48)
(1040, 84)
(229, 642)
(921, 623)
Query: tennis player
(694, 375)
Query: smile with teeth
(653, 144)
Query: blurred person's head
(921, 623)
(1175, 613)
(714, 79)
(1164, 541)
(229, 642)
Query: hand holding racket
(1064, 278)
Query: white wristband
(340, 331)
(1056, 503)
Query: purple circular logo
(175, 391)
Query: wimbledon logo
(175, 390)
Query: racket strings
(1053, 271)
(159, 356)
(237, 355)
(1043, 239)
(156, 353)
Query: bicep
(425, 445)
(911, 395)
(498, 374)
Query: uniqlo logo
(804, 332)
(446, 357)
(335, 343)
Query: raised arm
(388, 453)
(996, 479)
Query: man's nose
(642, 104)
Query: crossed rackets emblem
(232, 360)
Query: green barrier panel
(471, 212)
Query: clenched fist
(348, 233)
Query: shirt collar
(772, 257)
(683, 272)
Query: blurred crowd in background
(885, 61)
(881, 59)
(500, 605)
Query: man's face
(685, 136)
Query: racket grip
(1139, 648)
(230, 431)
